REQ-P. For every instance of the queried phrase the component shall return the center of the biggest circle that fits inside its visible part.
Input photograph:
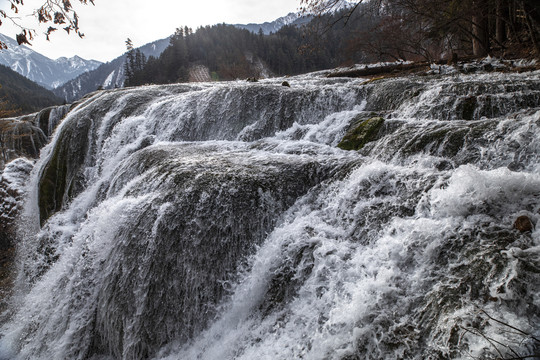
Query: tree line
(378, 30)
(232, 53)
(228, 53)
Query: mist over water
(221, 221)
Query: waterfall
(222, 221)
(21, 140)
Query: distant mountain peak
(274, 26)
(105, 76)
(41, 69)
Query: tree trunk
(500, 22)
(531, 29)
(512, 22)
(480, 39)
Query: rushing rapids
(221, 221)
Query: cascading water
(221, 221)
(20, 140)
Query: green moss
(362, 132)
(60, 177)
(52, 184)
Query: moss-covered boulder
(361, 132)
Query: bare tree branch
(58, 12)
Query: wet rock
(9, 213)
(488, 67)
(43, 120)
(444, 165)
(19, 138)
(360, 133)
(7, 275)
(60, 179)
(469, 106)
(48, 119)
(252, 79)
(515, 166)
(286, 83)
(523, 223)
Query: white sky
(110, 22)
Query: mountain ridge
(23, 94)
(42, 70)
(106, 76)
(296, 19)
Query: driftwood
(386, 69)
(404, 69)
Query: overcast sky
(110, 22)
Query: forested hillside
(227, 52)
(40, 69)
(22, 95)
(231, 53)
(384, 30)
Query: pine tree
(128, 64)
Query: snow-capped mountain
(106, 76)
(271, 27)
(41, 69)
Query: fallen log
(378, 70)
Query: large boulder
(361, 132)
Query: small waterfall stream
(221, 221)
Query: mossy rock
(360, 133)
(59, 179)
(43, 120)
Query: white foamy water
(220, 221)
